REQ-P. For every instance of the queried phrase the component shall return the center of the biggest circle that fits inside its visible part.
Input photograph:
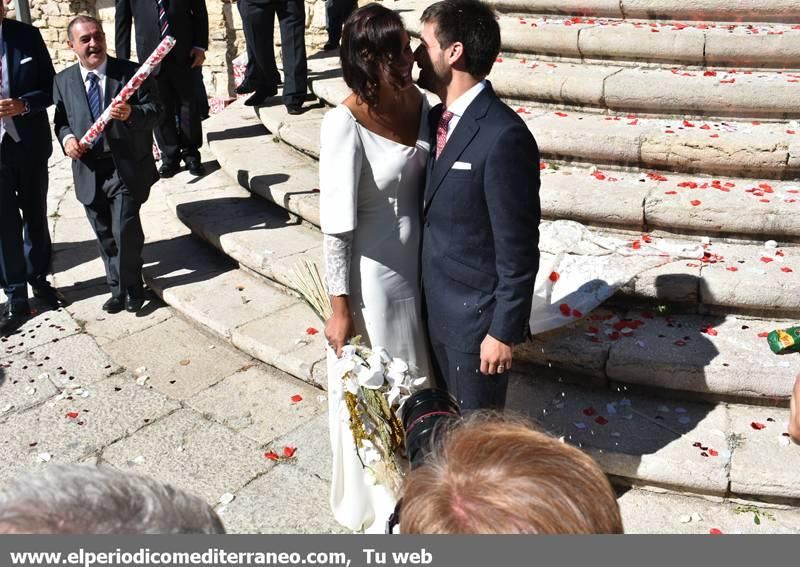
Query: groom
(481, 211)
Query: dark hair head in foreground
(491, 475)
(82, 499)
(373, 42)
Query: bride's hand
(338, 330)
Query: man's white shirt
(460, 105)
(101, 83)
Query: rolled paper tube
(93, 133)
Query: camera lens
(423, 415)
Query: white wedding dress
(370, 190)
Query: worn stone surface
(185, 449)
(651, 512)
(114, 408)
(258, 403)
(630, 435)
(50, 327)
(680, 353)
(278, 502)
(188, 362)
(282, 339)
(764, 459)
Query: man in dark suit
(26, 90)
(112, 178)
(258, 19)
(187, 22)
(481, 211)
(336, 13)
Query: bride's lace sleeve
(337, 249)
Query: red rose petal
(577, 314)
(272, 456)
(590, 411)
(72, 414)
(670, 192)
(561, 114)
(732, 269)
(297, 398)
(709, 331)
(554, 277)
(763, 335)
(289, 451)
(695, 203)
(766, 259)
(311, 331)
(787, 269)
(713, 453)
(757, 426)
(565, 309)
(600, 420)
(715, 531)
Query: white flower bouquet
(373, 386)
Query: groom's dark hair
(474, 25)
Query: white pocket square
(26, 60)
(462, 165)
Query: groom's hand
(495, 356)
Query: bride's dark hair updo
(372, 39)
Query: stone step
(713, 356)
(636, 438)
(663, 42)
(673, 91)
(660, 442)
(744, 148)
(662, 512)
(638, 201)
(698, 10)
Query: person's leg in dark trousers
(258, 20)
(460, 371)
(167, 130)
(33, 201)
(292, 20)
(126, 227)
(100, 217)
(200, 93)
(184, 138)
(250, 82)
(12, 248)
(336, 13)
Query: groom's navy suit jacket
(480, 237)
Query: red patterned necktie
(441, 131)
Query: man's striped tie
(95, 98)
(163, 23)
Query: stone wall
(225, 33)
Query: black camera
(425, 415)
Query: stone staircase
(655, 122)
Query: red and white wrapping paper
(93, 133)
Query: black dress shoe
(50, 296)
(12, 318)
(133, 304)
(261, 96)
(330, 45)
(294, 109)
(196, 168)
(167, 170)
(246, 87)
(114, 305)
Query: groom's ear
(455, 54)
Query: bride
(373, 153)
